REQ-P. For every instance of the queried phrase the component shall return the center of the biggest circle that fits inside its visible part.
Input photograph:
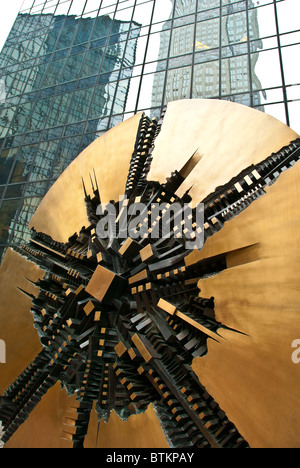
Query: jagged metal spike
(93, 188)
(84, 188)
(35, 283)
(190, 164)
(189, 189)
(96, 182)
(31, 296)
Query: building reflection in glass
(208, 53)
(59, 95)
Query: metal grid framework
(65, 80)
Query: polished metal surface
(250, 373)
(227, 138)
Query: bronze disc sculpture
(194, 324)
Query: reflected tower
(208, 53)
(59, 88)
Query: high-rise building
(194, 68)
(71, 69)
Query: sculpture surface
(122, 319)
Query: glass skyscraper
(71, 69)
(197, 48)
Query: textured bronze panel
(21, 339)
(260, 383)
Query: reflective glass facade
(71, 69)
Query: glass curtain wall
(71, 69)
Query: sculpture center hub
(105, 285)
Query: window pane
(288, 15)
(184, 8)
(178, 84)
(91, 5)
(23, 164)
(84, 31)
(7, 158)
(142, 13)
(290, 57)
(267, 72)
(234, 28)
(294, 112)
(163, 10)
(7, 212)
(158, 87)
(207, 35)
(263, 22)
(80, 106)
(77, 7)
(182, 40)
(19, 226)
(235, 75)
(208, 4)
(206, 80)
(63, 8)
(59, 109)
(68, 151)
(158, 46)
